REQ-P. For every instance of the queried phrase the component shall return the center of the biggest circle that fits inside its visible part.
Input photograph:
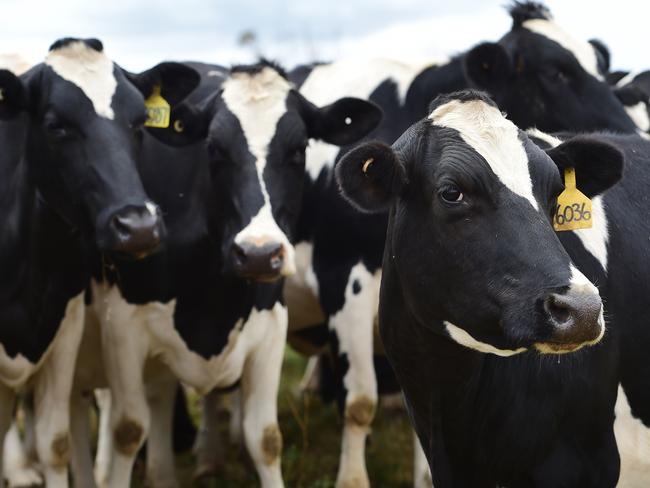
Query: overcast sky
(138, 34)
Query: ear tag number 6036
(158, 110)
(573, 209)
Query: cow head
(85, 117)
(470, 237)
(542, 76)
(257, 128)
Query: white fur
(14, 63)
(421, 472)
(259, 101)
(90, 70)
(301, 291)
(151, 207)
(549, 139)
(628, 78)
(354, 78)
(639, 114)
(463, 338)
(633, 439)
(582, 50)
(17, 468)
(485, 129)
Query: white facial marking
(354, 78)
(90, 70)
(151, 207)
(259, 101)
(583, 51)
(215, 73)
(633, 440)
(596, 238)
(639, 115)
(463, 338)
(494, 137)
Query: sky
(139, 34)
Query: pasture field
(312, 440)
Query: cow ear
(487, 65)
(13, 95)
(599, 165)
(176, 81)
(602, 53)
(188, 123)
(370, 176)
(343, 122)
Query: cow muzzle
(261, 261)
(576, 318)
(137, 231)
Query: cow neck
(430, 83)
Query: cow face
(257, 128)
(544, 77)
(470, 237)
(85, 118)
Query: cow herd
(179, 225)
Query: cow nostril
(277, 257)
(557, 309)
(122, 225)
(239, 255)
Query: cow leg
(7, 400)
(17, 469)
(124, 356)
(259, 390)
(352, 328)
(52, 391)
(82, 461)
(161, 394)
(208, 448)
(103, 457)
(421, 473)
(310, 380)
(235, 427)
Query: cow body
(207, 309)
(488, 411)
(342, 249)
(69, 186)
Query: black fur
(523, 11)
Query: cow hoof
(353, 483)
(24, 478)
(207, 469)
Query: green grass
(312, 439)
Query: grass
(312, 440)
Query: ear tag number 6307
(573, 209)
(158, 110)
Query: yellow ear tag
(158, 110)
(573, 210)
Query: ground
(312, 437)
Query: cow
(538, 73)
(633, 90)
(68, 184)
(480, 297)
(207, 309)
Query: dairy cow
(207, 309)
(69, 128)
(538, 73)
(479, 294)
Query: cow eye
(57, 130)
(451, 194)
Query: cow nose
(259, 262)
(138, 231)
(576, 317)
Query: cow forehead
(583, 51)
(258, 100)
(92, 71)
(490, 134)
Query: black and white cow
(208, 309)
(69, 128)
(538, 73)
(479, 294)
(633, 90)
